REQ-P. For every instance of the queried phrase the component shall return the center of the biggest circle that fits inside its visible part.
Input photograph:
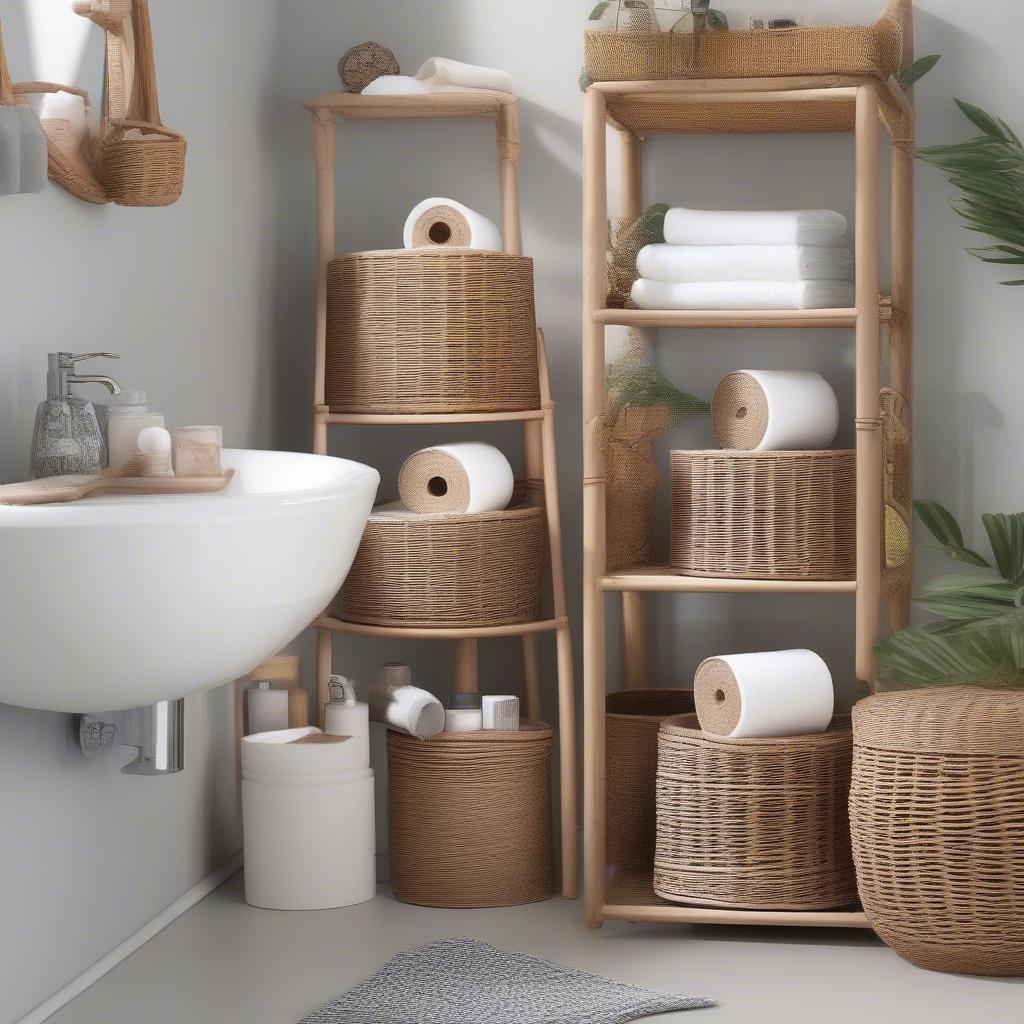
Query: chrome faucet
(61, 372)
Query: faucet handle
(77, 358)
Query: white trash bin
(308, 820)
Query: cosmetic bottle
(346, 716)
(125, 421)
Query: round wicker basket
(631, 722)
(764, 515)
(443, 570)
(754, 823)
(469, 817)
(431, 330)
(360, 65)
(143, 164)
(937, 817)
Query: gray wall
(186, 294)
(218, 322)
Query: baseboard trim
(92, 974)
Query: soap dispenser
(346, 716)
(67, 437)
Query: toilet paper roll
(770, 693)
(774, 410)
(468, 476)
(446, 223)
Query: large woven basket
(754, 823)
(431, 331)
(764, 515)
(483, 569)
(631, 722)
(469, 818)
(937, 816)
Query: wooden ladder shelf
(501, 110)
(636, 110)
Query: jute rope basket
(631, 722)
(754, 823)
(483, 569)
(937, 817)
(764, 515)
(469, 817)
(431, 330)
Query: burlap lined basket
(631, 722)
(754, 823)
(764, 515)
(469, 818)
(431, 330)
(937, 817)
(482, 569)
(876, 50)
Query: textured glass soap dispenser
(67, 437)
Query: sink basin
(121, 601)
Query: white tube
(442, 72)
(465, 477)
(443, 223)
(769, 693)
(394, 701)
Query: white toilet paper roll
(465, 477)
(769, 693)
(774, 410)
(446, 223)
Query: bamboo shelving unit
(635, 111)
(501, 110)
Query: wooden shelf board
(630, 896)
(660, 578)
(704, 318)
(337, 625)
(338, 418)
(479, 104)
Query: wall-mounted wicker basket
(937, 816)
(484, 569)
(631, 722)
(754, 823)
(431, 331)
(764, 515)
(469, 818)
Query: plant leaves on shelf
(907, 76)
(717, 21)
(941, 524)
(1006, 538)
(599, 9)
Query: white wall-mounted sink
(122, 601)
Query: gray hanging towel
(10, 151)
(33, 156)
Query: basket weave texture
(754, 823)
(470, 817)
(483, 569)
(937, 817)
(431, 330)
(764, 515)
(631, 722)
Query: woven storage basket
(431, 330)
(631, 722)
(469, 817)
(823, 50)
(754, 823)
(937, 816)
(483, 569)
(764, 515)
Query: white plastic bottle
(268, 708)
(346, 716)
(127, 416)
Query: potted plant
(937, 796)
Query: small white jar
(127, 417)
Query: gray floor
(224, 961)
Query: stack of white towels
(739, 259)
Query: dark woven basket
(937, 817)
(469, 818)
(754, 823)
(631, 722)
(431, 330)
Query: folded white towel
(661, 262)
(742, 294)
(396, 85)
(443, 71)
(753, 227)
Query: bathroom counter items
(737, 259)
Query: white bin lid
(305, 752)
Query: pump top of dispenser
(60, 373)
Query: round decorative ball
(361, 64)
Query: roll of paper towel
(396, 702)
(468, 476)
(445, 223)
(770, 693)
(774, 410)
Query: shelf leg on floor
(634, 640)
(322, 672)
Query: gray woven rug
(465, 981)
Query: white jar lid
(306, 752)
(127, 396)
